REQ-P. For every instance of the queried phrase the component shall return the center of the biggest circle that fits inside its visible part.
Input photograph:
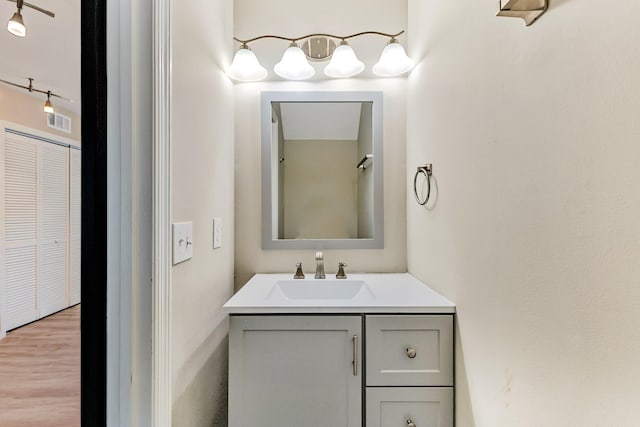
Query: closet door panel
(54, 223)
(20, 230)
(52, 283)
(75, 159)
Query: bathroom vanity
(372, 350)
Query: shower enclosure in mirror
(322, 170)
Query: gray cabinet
(307, 370)
(406, 406)
(409, 370)
(295, 370)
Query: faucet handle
(341, 274)
(299, 274)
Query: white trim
(118, 205)
(161, 401)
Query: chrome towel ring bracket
(427, 171)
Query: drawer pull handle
(410, 423)
(411, 353)
(355, 355)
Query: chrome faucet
(299, 274)
(319, 266)
(341, 274)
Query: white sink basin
(321, 289)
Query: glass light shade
(48, 108)
(344, 63)
(393, 61)
(16, 26)
(294, 65)
(246, 67)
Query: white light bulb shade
(393, 61)
(294, 65)
(16, 26)
(48, 108)
(246, 67)
(344, 63)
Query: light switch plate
(182, 241)
(217, 233)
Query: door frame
(126, 213)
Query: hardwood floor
(40, 373)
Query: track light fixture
(294, 64)
(48, 106)
(16, 24)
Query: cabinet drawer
(404, 406)
(409, 350)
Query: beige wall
(250, 257)
(534, 138)
(202, 188)
(21, 107)
(320, 189)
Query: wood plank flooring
(40, 373)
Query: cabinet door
(54, 223)
(407, 406)
(295, 371)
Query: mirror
(322, 185)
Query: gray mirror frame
(377, 242)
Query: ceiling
(320, 120)
(50, 53)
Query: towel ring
(427, 171)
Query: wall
(320, 189)
(250, 257)
(21, 107)
(202, 188)
(535, 143)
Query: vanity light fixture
(245, 66)
(393, 61)
(344, 62)
(16, 24)
(294, 64)
(48, 106)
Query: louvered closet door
(21, 227)
(54, 222)
(75, 158)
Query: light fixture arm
(30, 88)
(297, 39)
(21, 3)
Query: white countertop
(385, 293)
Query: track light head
(48, 107)
(16, 25)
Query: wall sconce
(48, 106)
(294, 64)
(16, 25)
(528, 10)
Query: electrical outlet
(182, 242)
(217, 232)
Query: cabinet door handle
(355, 355)
(410, 423)
(411, 353)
